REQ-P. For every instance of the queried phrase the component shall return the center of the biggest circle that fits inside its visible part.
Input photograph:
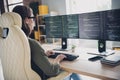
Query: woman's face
(30, 22)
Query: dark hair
(24, 12)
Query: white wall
(82, 6)
(115, 4)
(77, 6)
(56, 5)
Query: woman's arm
(41, 60)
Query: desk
(85, 67)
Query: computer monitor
(112, 25)
(70, 26)
(102, 26)
(53, 26)
(90, 25)
(62, 26)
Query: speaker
(64, 43)
(101, 46)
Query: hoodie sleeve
(41, 60)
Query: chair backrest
(15, 51)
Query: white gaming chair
(15, 50)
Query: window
(12, 3)
(2, 8)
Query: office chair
(15, 50)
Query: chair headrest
(7, 20)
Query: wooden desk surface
(93, 69)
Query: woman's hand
(59, 58)
(49, 52)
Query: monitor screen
(90, 25)
(112, 25)
(64, 26)
(70, 26)
(53, 26)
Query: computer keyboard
(69, 57)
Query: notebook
(112, 60)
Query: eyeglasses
(31, 17)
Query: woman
(39, 58)
(38, 55)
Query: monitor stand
(101, 51)
(63, 44)
(101, 46)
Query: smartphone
(95, 58)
